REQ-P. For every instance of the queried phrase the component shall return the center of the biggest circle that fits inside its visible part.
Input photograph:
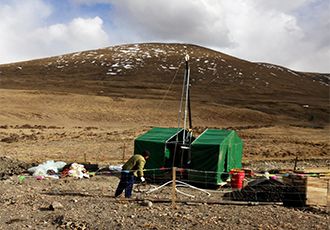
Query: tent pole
(173, 186)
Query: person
(131, 169)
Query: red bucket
(237, 178)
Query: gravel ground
(69, 203)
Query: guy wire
(176, 73)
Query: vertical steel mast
(187, 95)
(186, 139)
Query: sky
(290, 33)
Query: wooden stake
(85, 157)
(102, 191)
(295, 163)
(173, 186)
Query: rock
(56, 206)
(54, 191)
(146, 203)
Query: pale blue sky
(290, 33)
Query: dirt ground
(97, 130)
(40, 126)
(29, 203)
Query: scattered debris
(47, 168)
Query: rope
(190, 186)
(168, 89)
(183, 184)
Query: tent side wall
(213, 154)
(230, 156)
(156, 149)
(204, 159)
(154, 141)
(156, 159)
(235, 152)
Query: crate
(316, 189)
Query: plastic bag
(40, 172)
(115, 168)
(56, 166)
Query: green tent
(157, 141)
(213, 154)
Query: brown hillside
(145, 71)
(117, 93)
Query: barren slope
(145, 71)
(97, 102)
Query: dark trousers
(126, 183)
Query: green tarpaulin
(155, 142)
(212, 155)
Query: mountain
(151, 71)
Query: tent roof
(212, 137)
(158, 134)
